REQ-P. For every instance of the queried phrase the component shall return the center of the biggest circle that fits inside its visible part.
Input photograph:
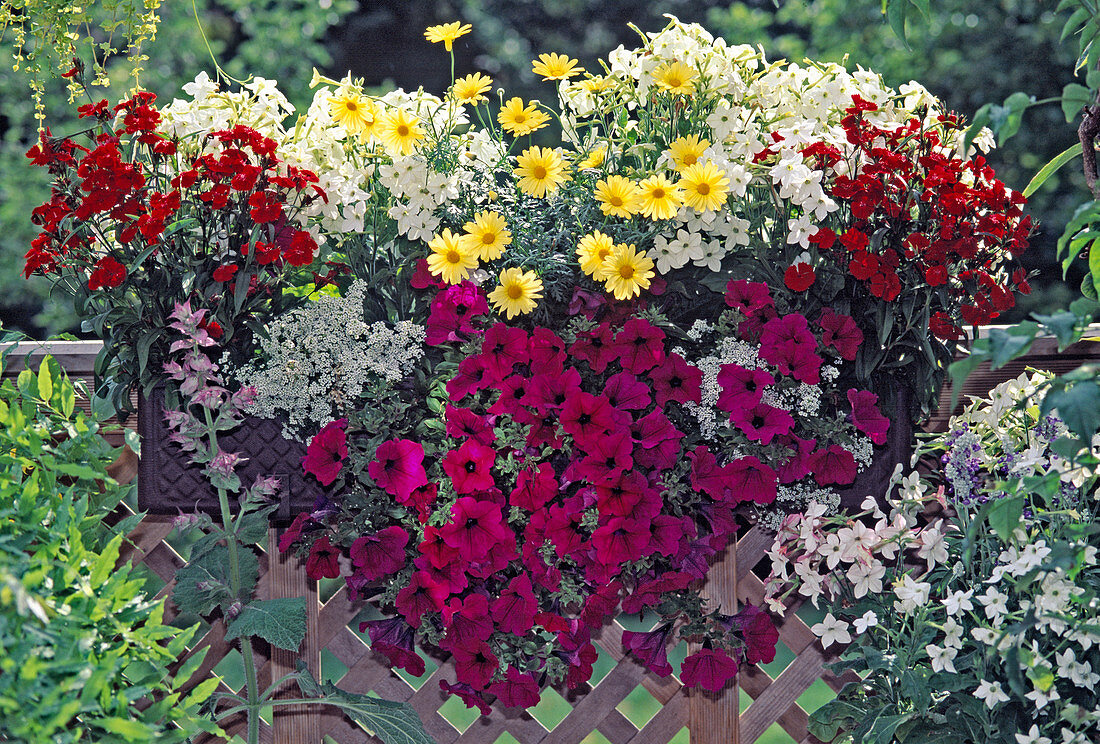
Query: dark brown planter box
(168, 484)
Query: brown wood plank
(715, 718)
(595, 706)
(778, 702)
(617, 728)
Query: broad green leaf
(1009, 343)
(78, 471)
(961, 369)
(1005, 515)
(1063, 326)
(1074, 98)
(1094, 264)
(202, 691)
(1078, 404)
(895, 11)
(280, 622)
(1051, 168)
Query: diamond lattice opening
(783, 657)
(506, 738)
(639, 707)
(595, 738)
(551, 710)
(231, 670)
(775, 735)
(332, 669)
(815, 696)
(603, 665)
(455, 712)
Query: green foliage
(280, 622)
(83, 650)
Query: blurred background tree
(966, 53)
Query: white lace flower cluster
(318, 360)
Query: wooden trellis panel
(711, 719)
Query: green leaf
(1078, 404)
(895, 14)
(1094, 264)
(1006, 344)
(1051, 168)
(1005, 516)
(280, 622)
(202, 691)
(45, 380)
(982, 118)
(78, 471)
(961, 369)
(392, 722)
(1063, 326)
(128, 729)
(204, 582)
(252, 526)
(1074, 98)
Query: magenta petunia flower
(294, 533)
(787, 343)
(547, 352)
(474, 528)
(675, 379)
(534, 487)
(325, 454)
(626, 392)
(606, 457)
(475, 664)
(597, 347)
(866, 416)
(452, 313)
(620, 540)
(550, 391)
(380, 554)
(587, 417)
(470, 467)
(751, 480)
(741, 387)
(640, 345)
(468, 695)
(797, 463)
(421, 501)
(652, 591)
(394, 639)
(628, 495)
(323, 561)
(650, 648)
(706, 475)
(761, 422)
(601, 604)
(471, 377)
(657, 440)
(514, 610)
(833, 465)
(421, 595)
(467, 620)
(748, 297)
(840, 332)
(464, 423)
(502, 348)
(668, 534)
(514, 394)
(708, 668)
(759, 633)
(398, 467)
(423, 279)
(516, 690)
(560, 527)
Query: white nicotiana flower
(991, 693)
(959, 601)
(1032, 737)
(862, 624)
(910, 594)
(832, 630)
(943, 659)
(996, 604)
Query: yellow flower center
(515, 291)
(539, 172)
(690, 159)
(520, 118)
(453, 256)
(402, 130)
(488, 238)
(626, 272)
(658, 193)
(703, 189)
(616, 200)
(673, 81)
(352, 106)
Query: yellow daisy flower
(705, 186)
(472, 88)
(540, 171)
(618, 196)
(627, 272)
(594, 84)
(353, 113)
(676, 77)
(518, 292)
(486, 236)
(592, 251)
(594, 159)
(449, 259)
(555, 67)
(447, 33)
(660, 198)
(399, 131)
(685, 151)
(520, 120)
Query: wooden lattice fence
(592, 716)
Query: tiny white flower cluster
(318, 359)
(730, 351)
